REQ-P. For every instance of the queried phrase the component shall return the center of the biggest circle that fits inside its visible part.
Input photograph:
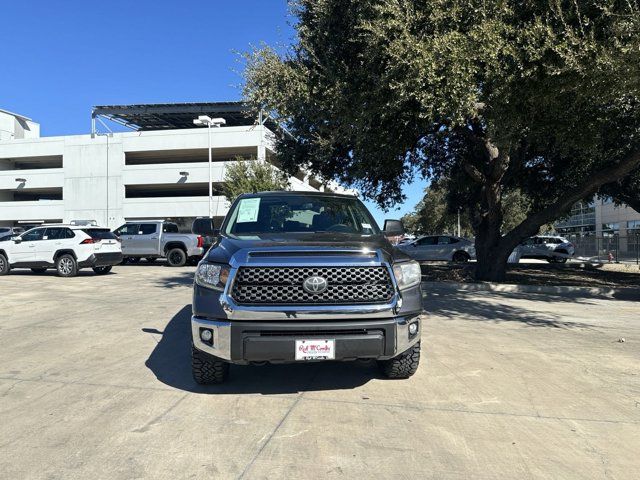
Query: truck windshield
(299, 213)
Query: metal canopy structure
(171, 116)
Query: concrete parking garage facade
(110, 178)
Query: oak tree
(539, 96)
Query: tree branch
(530, 225)
(473, 172)
(632, 201)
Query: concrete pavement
(95, 383)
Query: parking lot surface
(95, 382)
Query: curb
(626, 293)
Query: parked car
(7, 232)
(304, 277)
(553, 248)
(67, 248)
(153, 239)
(440, 247)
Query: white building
(160, 170)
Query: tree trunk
(491, 260)
(492, 251)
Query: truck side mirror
(393, 228)
(16, 239)
(204, 226)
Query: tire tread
(402, 366)
(206, 370)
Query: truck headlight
(212, 276)
(407, 274)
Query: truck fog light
(206, 335)
(413, 329)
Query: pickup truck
(153, 239)
(304, 277)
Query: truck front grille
(284, 285)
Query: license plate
(315, 349)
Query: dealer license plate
(315, 349)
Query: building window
(581, 218)
(610, 228)
(633, 226)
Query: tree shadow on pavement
(471, 306)
(179, 279)
(170, 362)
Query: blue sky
(61, 58)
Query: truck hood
(226, 247)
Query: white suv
(551, 248)
(67, 248)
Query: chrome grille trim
(283, 285)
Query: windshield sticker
(366, 225)
(248, 210)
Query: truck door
(147, 239)
(127, 233)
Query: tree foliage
(536, 96)
(433, 215)
(625, 191)
(252, 176)
(436, 213)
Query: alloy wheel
(66, 266)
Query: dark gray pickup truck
(303, 277)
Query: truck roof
(154, 220)
(294, 193)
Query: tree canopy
(537, 96)
(252, 176)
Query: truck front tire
(206, 369)
(402, 366)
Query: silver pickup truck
(153, 239)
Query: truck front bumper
(243, 342)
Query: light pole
(210, 122)
(107, 136)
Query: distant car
(66, 248)
(553, 248)
(440, 247)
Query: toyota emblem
(315, 284)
